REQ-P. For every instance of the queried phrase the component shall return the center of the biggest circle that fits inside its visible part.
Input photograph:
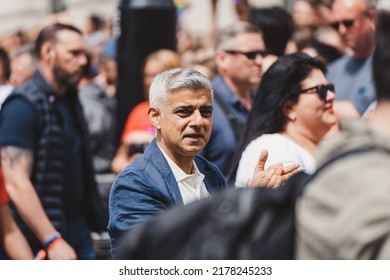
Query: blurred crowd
(283, 81)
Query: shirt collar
(179, 174)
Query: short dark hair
(49, 33)
(5, 62)
(277, 26)
(280, 84)
(381, 59)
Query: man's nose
(82, 59)
(342, 29)
(259, 59)
(197, 118)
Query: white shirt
(280, 149)
(191, 186)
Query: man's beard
(64, 80)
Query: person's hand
(274, 176)
(61, 251)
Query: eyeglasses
(322, 90)
(249, 55)
(347, 23)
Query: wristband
(52, 239)
(54, 243)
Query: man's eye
(183, 112)
(77, 53)
(206, 113)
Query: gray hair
(234, 30)
(28, 49)
(175, 79)
(371, 4)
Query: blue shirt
(223, 143)
(353, 81)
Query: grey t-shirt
(353, 81)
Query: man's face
(69, 58)
(354, 24)
(184, 123)
(241, 70)
(22, 68)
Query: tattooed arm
(17, 167)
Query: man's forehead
(243, 38)
(345, 7)
(70, 40)
(182, 95)
(68, 36)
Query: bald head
(355, 22)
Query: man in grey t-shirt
(352, 74)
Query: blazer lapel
(154, 155)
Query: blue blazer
(147, 186)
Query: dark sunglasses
(249, 55)
(322, 90)
(347, 23)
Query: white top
(280, 149)
(191, 186)
(5, 90)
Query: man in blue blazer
(170, 171)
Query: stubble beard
(65, 81)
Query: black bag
(241, 224)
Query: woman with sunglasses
(291, 113)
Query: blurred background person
(292, 112)
(44, 154)
(239, 56)
(5, 72)
(23, 64)
(99, 109)
(277, 28)
(352, 74)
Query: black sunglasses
(347, 23)
(249, 55)
(322, 90)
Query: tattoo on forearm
(12, 156)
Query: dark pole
(145, 26)
(57, 6)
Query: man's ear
(371, 13)
(47, 52)
(221, 59)
(154, 117)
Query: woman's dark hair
(5, 62)
(280, 84)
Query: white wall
(25, 14)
